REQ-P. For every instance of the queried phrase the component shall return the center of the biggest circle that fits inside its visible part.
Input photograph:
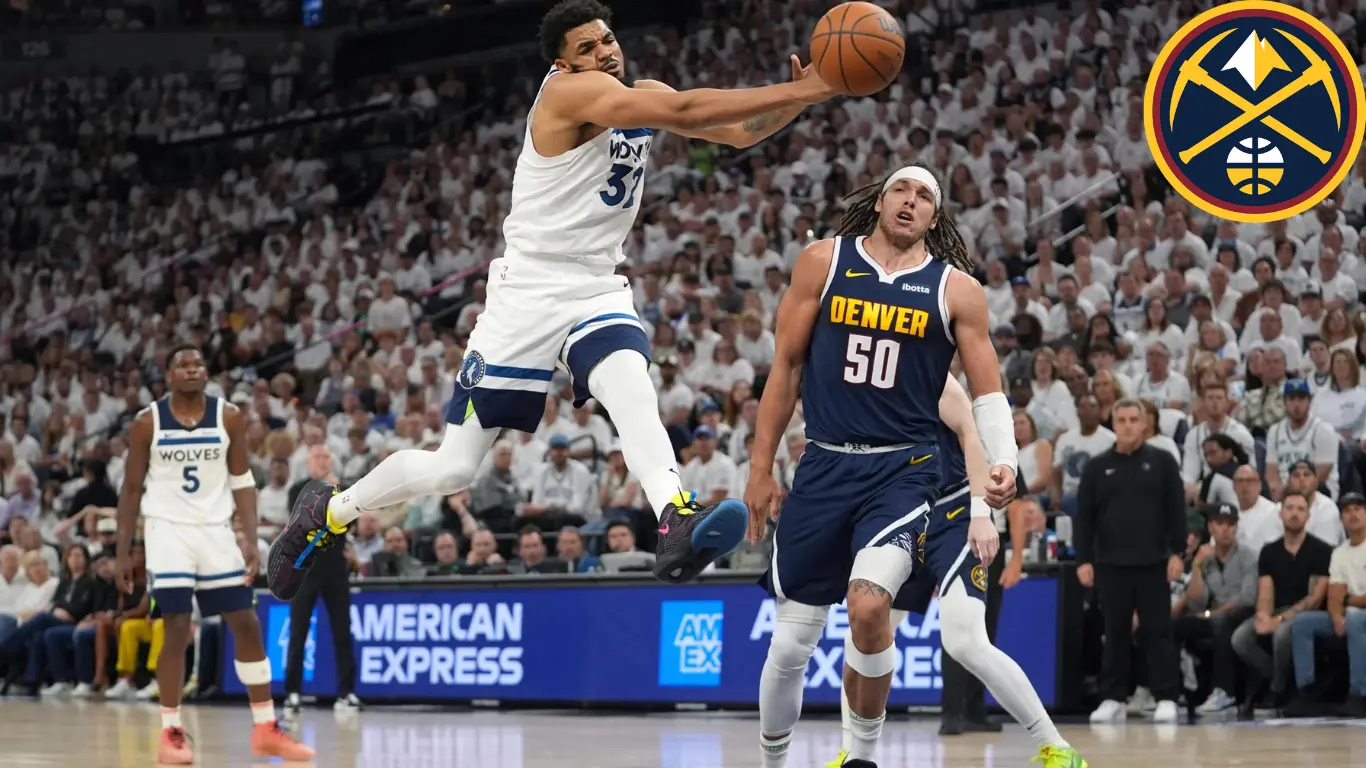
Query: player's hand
(1175, 568)
(1340, 625)
(762, 495)
(1013, 573)
(1086, 575)
(251, 555)
(123, 574)
(1001, 489)
(984, 539)
(820, 90)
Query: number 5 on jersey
(191, 479)
(872, 362)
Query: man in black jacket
(1130, 535)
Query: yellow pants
(132, 635)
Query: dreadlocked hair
(943, 241)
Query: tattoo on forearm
(862, 585)
(760, 123)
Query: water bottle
(1062, 524)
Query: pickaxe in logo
(1318, 72)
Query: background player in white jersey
(555, 300)
(187, 472)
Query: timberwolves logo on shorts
(1254, 111)
(471, 370)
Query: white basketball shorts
(188, 558)
(540, 316)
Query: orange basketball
(858, 48)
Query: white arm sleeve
(996, 428)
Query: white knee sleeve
(887, 566)
(962, 624)
(796, 632)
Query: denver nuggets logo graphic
(1254, 111)
(920, 548)
(472, 370)
(979, 578)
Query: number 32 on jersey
(872, 361)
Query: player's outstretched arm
(597, 98)
(748, 132)
(243, 485)
(967, 304)
(130, 497)
(796, 317)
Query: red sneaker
(174, 748)
(270, 740)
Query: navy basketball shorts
(942, 548)
(842, 503)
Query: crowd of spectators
(340, 327)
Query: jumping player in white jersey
(555, 300)
(187, 472)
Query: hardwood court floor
(98, 735)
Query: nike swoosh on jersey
(919, 459)
(852, 273)
(954, 513)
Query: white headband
(919, 174)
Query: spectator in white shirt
(590, 436)
(1300, 436)
(272, 502)
(1259, 518)
(389, 311)
(563, 491)
(1324, 521)
(12, 583)
(1217, 422)
(709, 472)
(755, 343)
(1165, 387)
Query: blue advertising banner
(594, 643)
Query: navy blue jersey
(879, 352)
(953, 465)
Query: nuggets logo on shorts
(472, 370)
(920, 548)
(1254, 111)
(979, 577)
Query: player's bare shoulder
(812, 265)
(142, 426)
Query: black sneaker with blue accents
(692, 537)
(307, 532)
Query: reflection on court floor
(98, 735)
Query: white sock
(775, 750)
(863, 735)
(846, 723)
(170, 717)
(621, 382)
(262, 712)
(408, 474)
(963, 629)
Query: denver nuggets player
(555, 300)
(866, 334)
(189, 451)
(944, 549)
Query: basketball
(858, 48)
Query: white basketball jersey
(579, 206)
(187, 471)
